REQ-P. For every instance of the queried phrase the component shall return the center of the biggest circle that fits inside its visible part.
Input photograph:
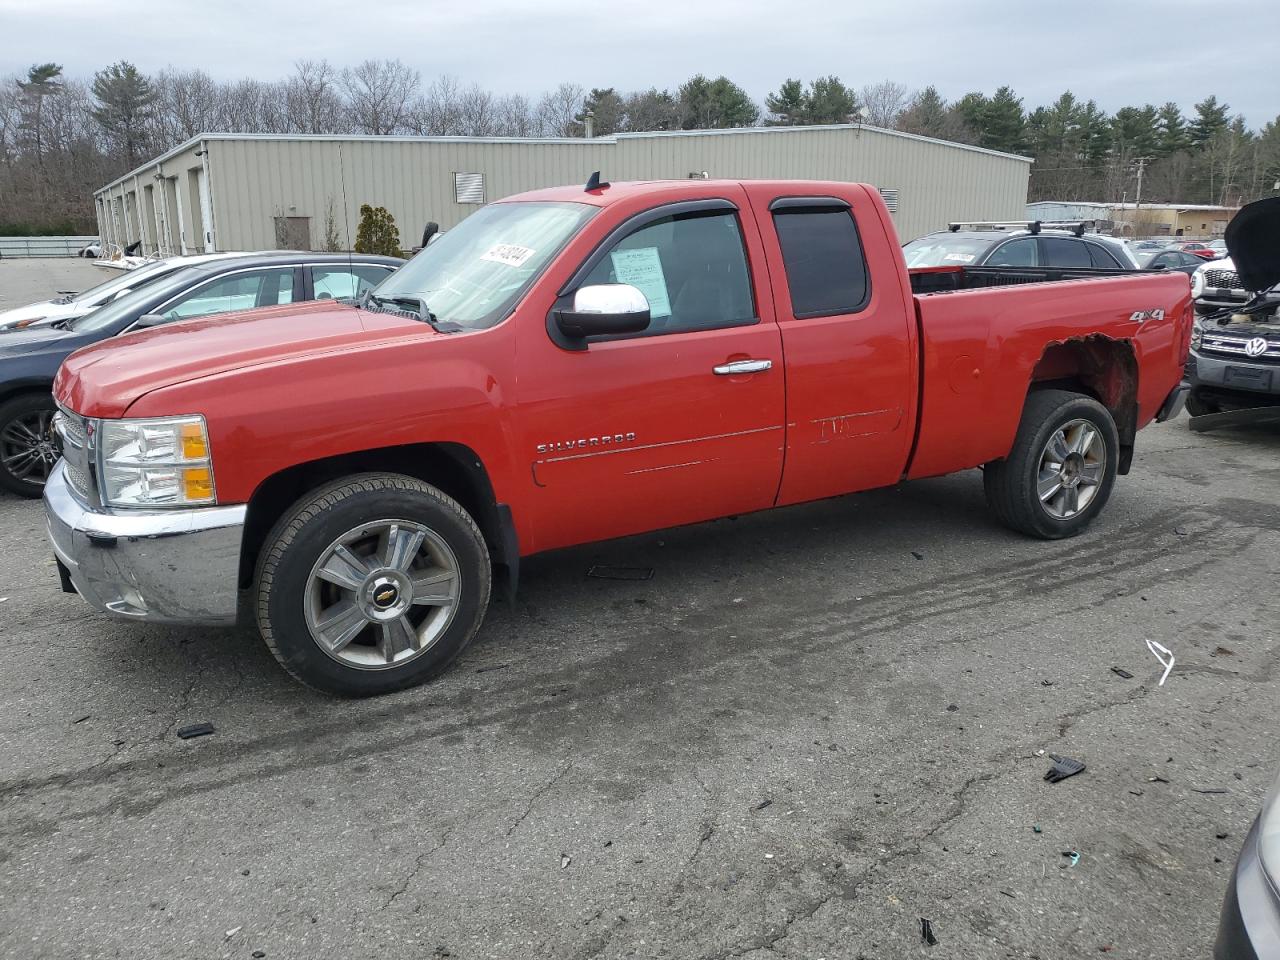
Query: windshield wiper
(63, 324)
(414, 305)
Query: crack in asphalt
(419, 862)
(537, 795)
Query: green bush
(377, 232)
(63, 228)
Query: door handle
(742, 366)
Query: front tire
(1198, 405)
(1060, 472)
(372, 584)
(27, 448)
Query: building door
(206, 211)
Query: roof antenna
(595, 183)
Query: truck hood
(1253, 241)
(103, 380)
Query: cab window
(691, 267)
(1064, 252)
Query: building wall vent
(468, 187)
(890, 198)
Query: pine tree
(787, 106)
(125, 98)
(1174, 137)
(926, 114)
(1209, 122)
(1003, 123)
(829, 101)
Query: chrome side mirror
(603, 309)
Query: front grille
(76, 442)
(1236, 348)
(1222, 279)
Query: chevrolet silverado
(571, 365)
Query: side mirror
(150, 320)
(602, 309)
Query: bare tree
(883, 101)
(558, 110)
(514, 117)
(312, 103)
(476, 112)
(380, 95)
(187, 105)
(437, 112)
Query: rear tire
(1060, 472)
(1198, 405)
(27, 448)
(371, 584)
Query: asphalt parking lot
(809, 730)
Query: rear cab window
(823, 257)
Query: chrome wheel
(1072, 466)
(27, 447)
(382, 594)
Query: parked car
(1219, 247)
(72, 304)
(1201, 250)
(91, 250)
(1018, 248)
(1249, 928)
(29, 359)
(1165, 259)
(1235, 360)
(567, 366)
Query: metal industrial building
(263, 191)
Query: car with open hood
(1235, 349)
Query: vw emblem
(1256, 347)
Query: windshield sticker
(642, 268)
(511, 254)
(960, 257)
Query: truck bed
(946, 279)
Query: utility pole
(1141, 163)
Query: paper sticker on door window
(642, 268)
(511, 254)
(959, 257)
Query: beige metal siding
(254, 180)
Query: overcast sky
(1117, 52)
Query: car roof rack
(1031, 226)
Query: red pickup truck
(571, 365)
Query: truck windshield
(945, 250)
(474, 274)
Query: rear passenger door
(848, 334)
(1064, 252)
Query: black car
(1167, 259)
(1018, 248)
(29, 359)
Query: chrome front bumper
(166, 566)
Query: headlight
(1197, 282)
(1269, 834)
(156, 463)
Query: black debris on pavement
(500, 666)
(762, 804)
(919, 556)
(1122, 673)
(195, 730)
(1062, 768)
(1180, 531)
(82, 719)
(952, 708)
(1208, 789)
(1222, 652)
(601, 572)
(1156, 779)
(926, 932)
(1222, 836)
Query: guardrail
(42, 246)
